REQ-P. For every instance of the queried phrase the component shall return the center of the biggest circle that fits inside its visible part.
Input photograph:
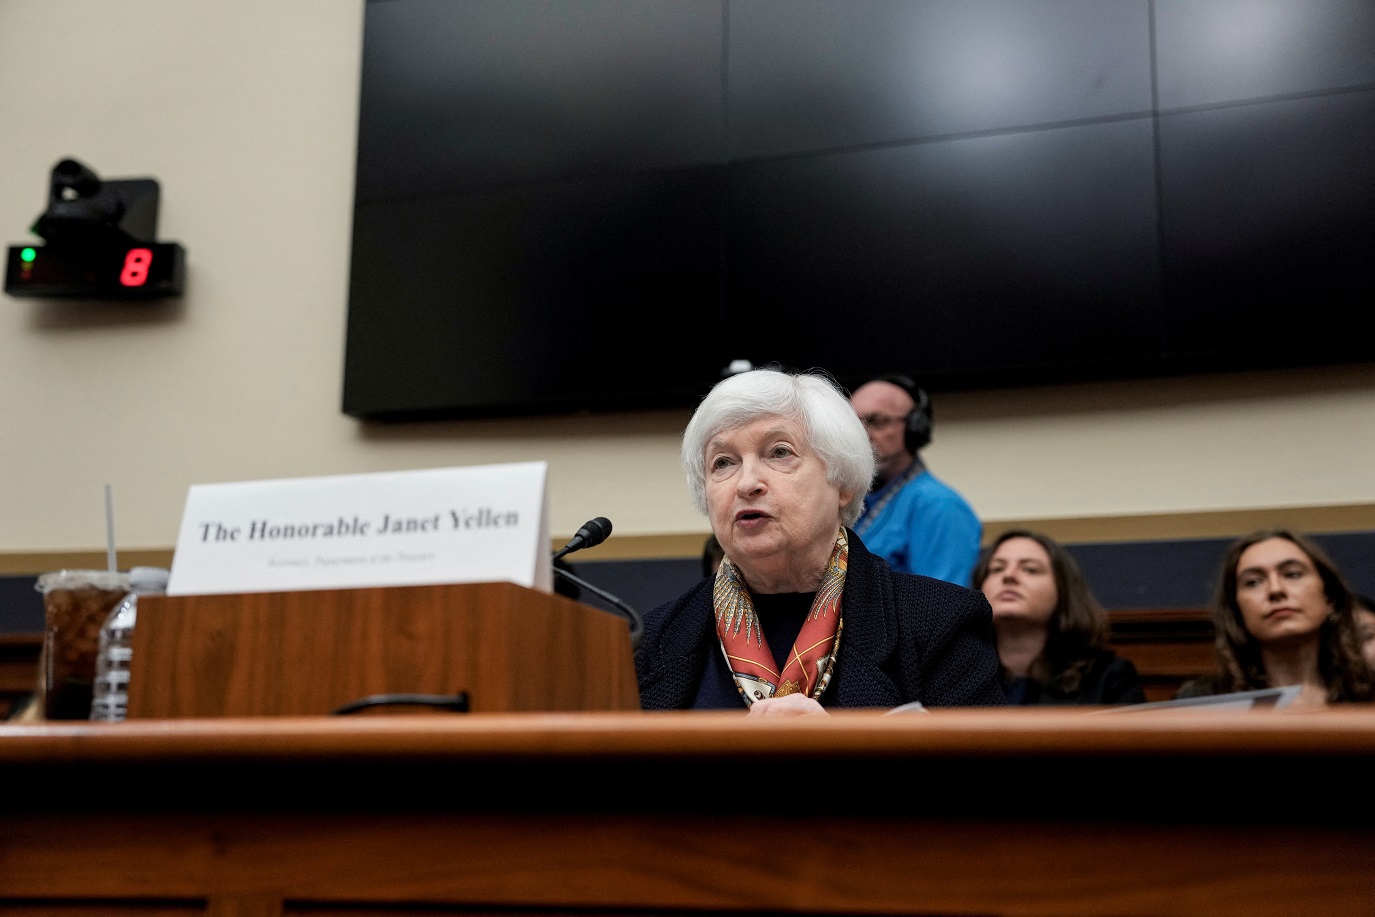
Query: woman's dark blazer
(906, 638)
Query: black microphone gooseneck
(592, 533)
(637, 625)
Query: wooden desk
(1017, 812)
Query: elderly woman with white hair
(800, 616)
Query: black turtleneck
(781, 616)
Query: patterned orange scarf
(808, 669)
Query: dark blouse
(780, 618)
(1112, 679)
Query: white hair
(813, 399)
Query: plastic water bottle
(110, 697)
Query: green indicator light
(27, 255)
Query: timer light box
(101, 242)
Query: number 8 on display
(136, 264)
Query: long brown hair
(1239, 662)
(1078, 627)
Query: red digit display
(136, 264)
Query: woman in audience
(1051, 632)
(1284, 615)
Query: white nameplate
(447, 525)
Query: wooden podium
(507, 647)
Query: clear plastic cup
(75, 606)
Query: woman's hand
(787, 705)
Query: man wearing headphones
(911, 518)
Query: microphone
(637, 624)
(592, 533)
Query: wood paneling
(658, 813)
(505, 646)
(1168, 646)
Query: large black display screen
(595, 205)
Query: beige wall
(245, 111)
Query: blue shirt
(925, 527)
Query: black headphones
(916, 434)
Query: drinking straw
(110, 530)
